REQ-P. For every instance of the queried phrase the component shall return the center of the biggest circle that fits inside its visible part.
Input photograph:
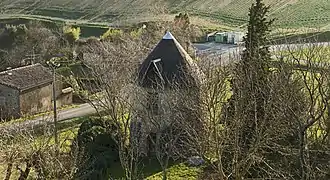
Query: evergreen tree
(256, 55)
(251, 87)
(96, 150)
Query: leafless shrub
(26, 154)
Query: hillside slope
(289, 13)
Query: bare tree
(111, 67)
(310, 63)
(110, 84)
(160, 114)
(35, 44)
(28, 151)
(297, 106)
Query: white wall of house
(235, 37)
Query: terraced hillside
(289, 13)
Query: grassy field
(289, 13)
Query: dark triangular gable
(173, 65)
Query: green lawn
(178, 172)
(67, 132)
(153, 171)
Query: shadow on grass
(71, 122)
(149, 167)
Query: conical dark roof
(169, 64)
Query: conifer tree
(250, 84)
(256, 53)
(256, 56)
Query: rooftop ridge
(19, 68)
(26, 77)
(168, 35)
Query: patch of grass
(65, 139)
(151, 170)
(71, 122)
(68, 131)
(179, 171)
(25, 118)
(62, 125)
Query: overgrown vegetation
(245, 117)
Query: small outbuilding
(221, 37)
(234, 37)
(210, 37)
(229, 37)
(25, 90)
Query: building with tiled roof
(25, 90)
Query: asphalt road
(211, 49)
(217, 48)
(229, 52)
(80, 111)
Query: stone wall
(153, 113)
(36, 100)
(65, 98)
(9, 102)
(167, 102)
(178, 105)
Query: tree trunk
(164, 174)
(24, 174)
(8, 171)
(164, 167)
(302, 155)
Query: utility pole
(53, 66)
(54, 107)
